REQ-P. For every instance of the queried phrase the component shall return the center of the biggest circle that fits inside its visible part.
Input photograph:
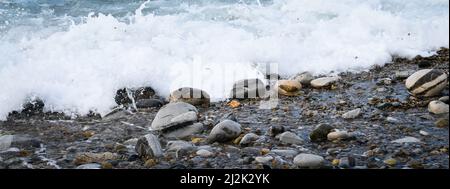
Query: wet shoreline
(388, 113)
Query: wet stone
(149, 103)
(441, 123)
(304, 78)
(309, 161)
(290, 138)
(248, 88)
(248, 139)
(224, 131)
(438, 107)
(196, 97)
(184, 132)
(174, 115)
(275, 130)
(346, 162)
(426, 82)
(320, 133)
(324, 82)
(289, 87)
(126, 96)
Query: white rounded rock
(438, 107)
(204, 153)
(338, 135)
(324, 81)
(309, 160)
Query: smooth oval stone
(324, 82)
(196, 97)
(204, 153)
(338, 135)
(438, 107)
(309, 160)
(289, 87)
(426, 82)
(248, 88)
(224, 131)
(290, 138)
(174, 115)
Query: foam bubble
(78, 67)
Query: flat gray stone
(174, 115)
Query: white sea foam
(208, 46)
